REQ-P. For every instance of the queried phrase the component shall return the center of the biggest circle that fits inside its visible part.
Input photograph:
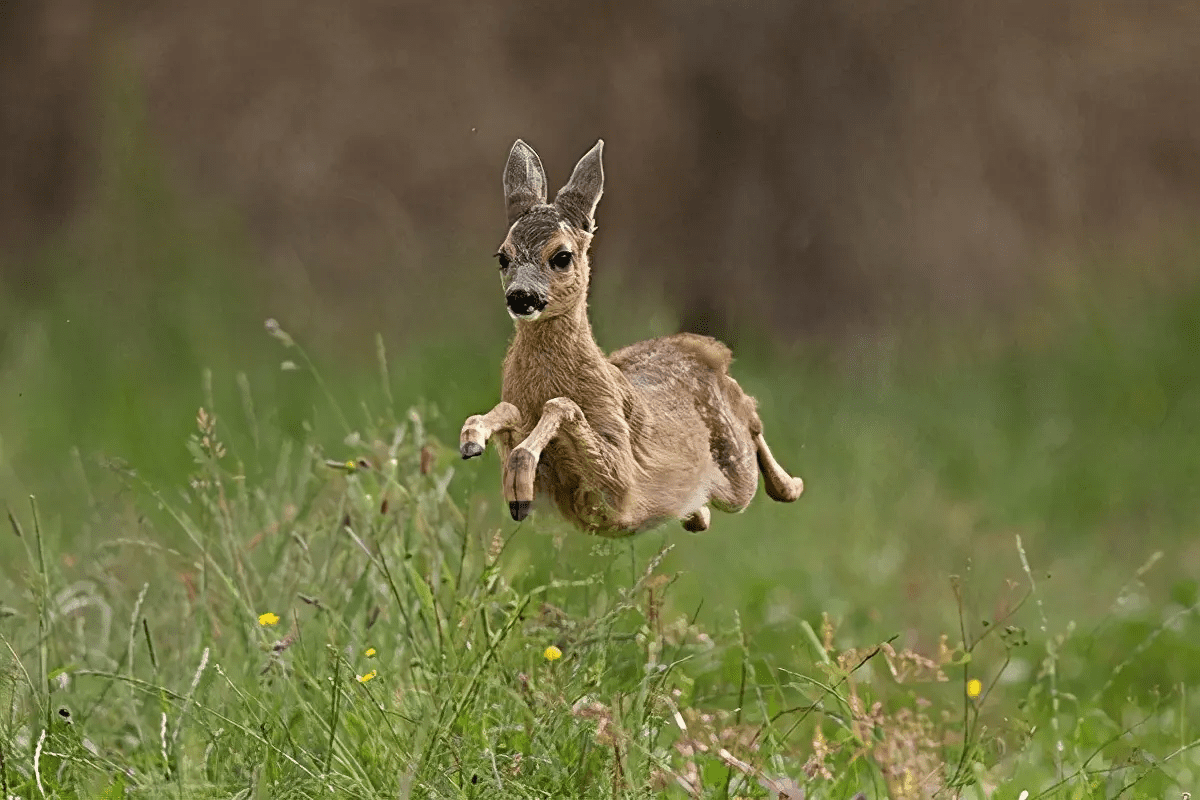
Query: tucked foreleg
(479, 428)
(605, 466)
(698, 520)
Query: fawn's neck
(552, 358)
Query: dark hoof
(519, 509)
(469, 450)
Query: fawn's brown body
(656, 431)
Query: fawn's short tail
(779, 484)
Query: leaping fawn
(657, 430)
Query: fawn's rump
(703, 424)
(687, 377)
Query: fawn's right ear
(524, 181)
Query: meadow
(246, 561)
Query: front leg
(479, 428)
(608, 466)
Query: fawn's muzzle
(522, 303)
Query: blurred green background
(955, 252)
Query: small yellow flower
(370, 652)
(552, 653)
(369, 676)
(268, 619)
(974, 688)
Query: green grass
(137, 606)
(1010, 504)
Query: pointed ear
(524, 181)
(578, 199)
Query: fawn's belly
(578, 496)
(611, 510)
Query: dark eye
(503, 260)
(561, 259)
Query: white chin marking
(524, 317)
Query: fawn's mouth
(530, 317)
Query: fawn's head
(544, 261)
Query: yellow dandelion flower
(370, 652)
(369, 676)
(974, 688)
(552, 653)
(268, 619)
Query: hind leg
(779, 484)
(732, 478)
(733, 455)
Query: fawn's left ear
(579, 198)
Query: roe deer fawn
(657, 430)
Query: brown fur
(656, 431)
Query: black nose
(521, 302)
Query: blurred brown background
(829, 162)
